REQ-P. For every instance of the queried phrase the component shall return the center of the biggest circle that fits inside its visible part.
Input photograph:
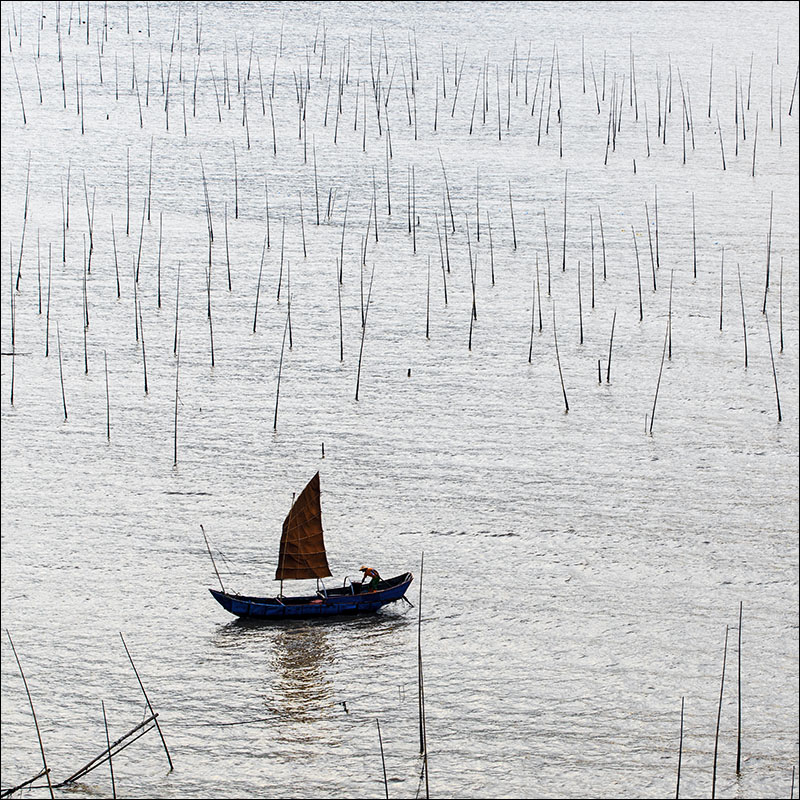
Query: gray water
(580, 568)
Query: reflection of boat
(302, 555)
(298, 685)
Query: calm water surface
(579, 570)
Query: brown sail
(302, 552)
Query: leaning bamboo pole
(46, 770)
(147, 700)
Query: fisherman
(370, 572)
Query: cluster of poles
(383, 75)
(719, 717)
(111, 750)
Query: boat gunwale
(319, 599)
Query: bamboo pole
(49, 284)
(15, 789)
(108, 746)
(719, 714)
(144, 355)
(61, 371)
(591, 237)
(258, 286)
(341, 329)
(694, 241)
(447, 190)
(150, 178)
(658, 383)
(364, 331)
(210, 320)
(344, 229)
(100, 759)
(414, 209)
(533, 309)
(108, 400)
(472, 273)
(444, 231)
(511, 206)
(147, 700)
(423, 731)
(580, 303)
(603, 240)
(638, 273)
(177, 375)
(380, 742)
(558, 361)
(213, 563)
(280, 370)
(780, 305)
(680, 755)
(547, 249)
(33, 711)
(177, 303)
(721, 284)
(39, 270)
(650, 244)
(13, 334)
(420, 689)
(774, 373)
(538, 292)
(739, 697)
(744, 325)
(302, 225)
(289, 299)
(769, 253)
(491, 244)
(669, 315)
(19, 88)
(428, 303)
(127, 193)
(564, 248)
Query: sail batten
(302, 551)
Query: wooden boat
(302, 555)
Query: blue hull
(336, 602)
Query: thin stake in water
(744, 325)
(108, 399)
(61, 371)
(721, 284)
(610, 345)
(658, 383)
(147, 700)
(33, 712)
(719, 714)
(680, 755)
(564, 248)
(280, 370)
(108, 747)
(258, 286)
(380, 741)
(739, 697)
(558, 360)
(774, 373)
(364, 331)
